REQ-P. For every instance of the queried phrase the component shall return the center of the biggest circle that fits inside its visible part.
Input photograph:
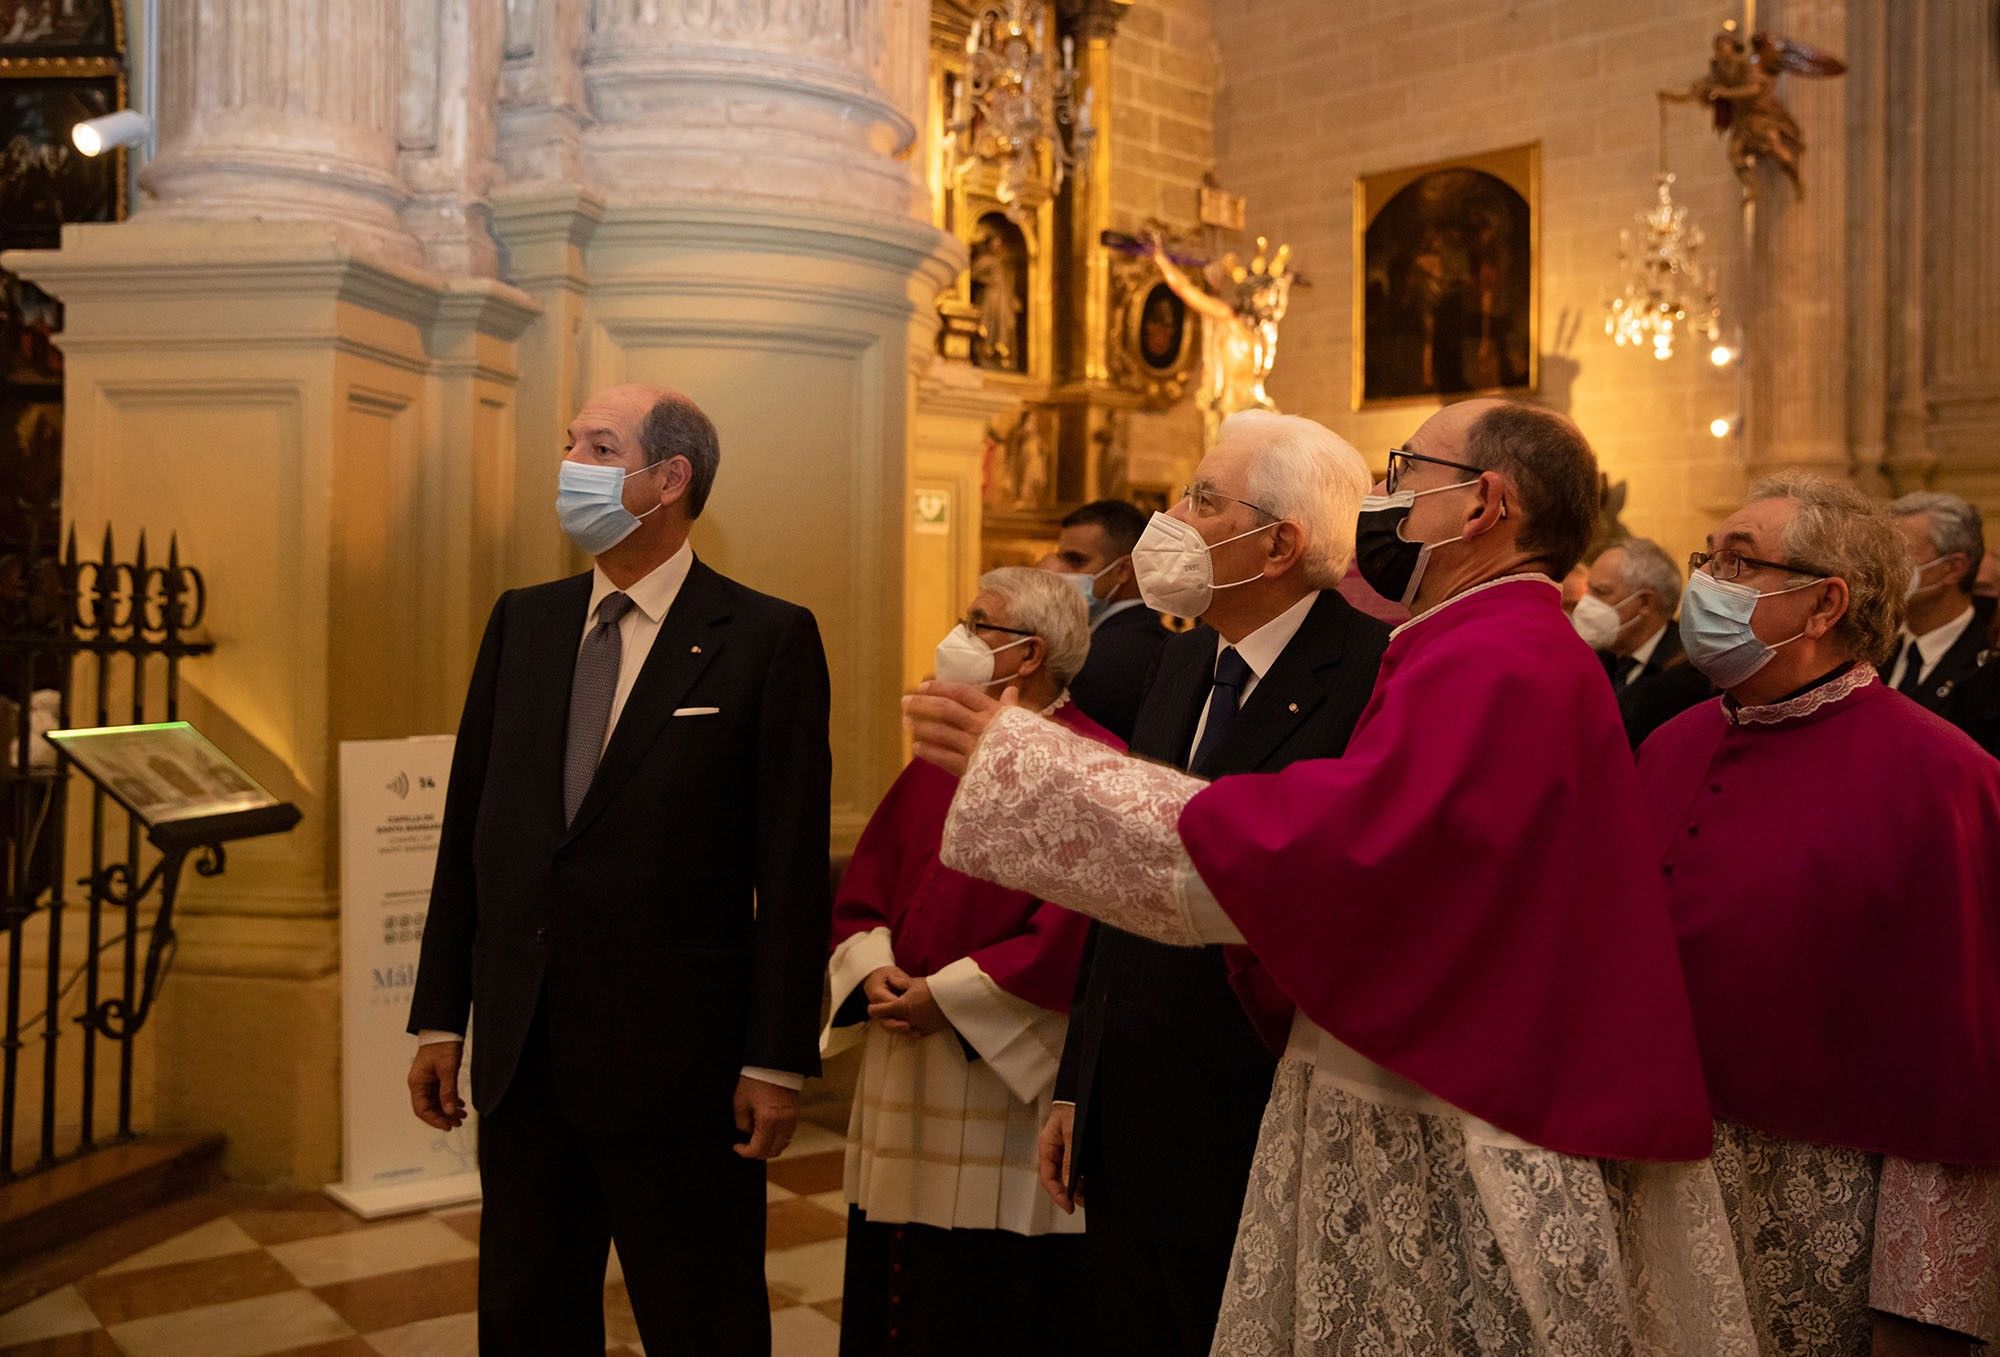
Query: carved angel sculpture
(1741, 87)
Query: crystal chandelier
(1667, 293)
(1016, 108)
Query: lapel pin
(1294, 709)
(694, 650)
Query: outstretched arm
(1196, 297)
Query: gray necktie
(590, 694)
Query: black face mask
(1392, 565)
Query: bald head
(1544, 455)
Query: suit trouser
(688, 1219)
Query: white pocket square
(696, 711)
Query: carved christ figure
(1240, 329)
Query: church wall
(1314, 94)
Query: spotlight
(1723, 426)
(126, 127)
(1722, 355)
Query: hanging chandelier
(1016, 108)
(1666, 292)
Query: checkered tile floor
(299, 1276)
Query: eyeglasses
(978, 624)
(1208, 502)
(1401, 458)
(1728, 565)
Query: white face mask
(1596, 621)
(1716, 630)
(1172, 566)
(1916, 585)
(964, 658)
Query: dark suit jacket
(1123, 651)
(1159, 1046)
(677, 930)
(1668, 686)
(1953, 669)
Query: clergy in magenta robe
(1832, 857)
(952, 1246)
(1491, 1011)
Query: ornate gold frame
(1133, 278)
(1520, 167)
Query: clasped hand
(902, 1003)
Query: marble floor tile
(218, 1238)
(121, 1296)
(811, 1140)
(465, 1222)
(398, 1247)
(95, 1343)
(804, 1333)
(810, 1173)
(811, 1273)
(790, 1224)
(242, 1328)
(60, 1312)
(393, 1299)
(451, 1336)
(835, 1201)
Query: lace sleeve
(1047, 811)
(1937, 1246)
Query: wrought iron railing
(84, 641)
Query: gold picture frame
(1448, 279)
(1154, 344)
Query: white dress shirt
(1643, 653)
(1260, 650)
(1931, 646)
(652, 597)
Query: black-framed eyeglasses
(1208, 501)
(1401, 458)
(1728, 564)
(975, 624)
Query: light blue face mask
(1716, 633)
(1086, 585)
(590, 504)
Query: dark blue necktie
(1232, 676)
(1913, 669)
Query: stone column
(1798, 350)
(283, 109)
(447, 131)
(737, 220)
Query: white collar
(1933, 644)
(1643, 652)
(1112, 610)
(653, 594)
(1464, 594)
(1261, 648)
(1859, 676)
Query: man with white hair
(1626, 615)
(957, 991)
(1832, 857)
(1490, 1002)
(1171, 1049)
(1941, 641)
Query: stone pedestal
(329, 435)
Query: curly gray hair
(1839, 530)
(1047, 605)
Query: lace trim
(1475, 589)
(1805, 704)
(1062, 700)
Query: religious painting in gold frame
(1447, 279)
(1155, 340)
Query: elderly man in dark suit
(632, 897)
(1635, 587)
(1095, 554)
(1944, 632)
(1170, 1052)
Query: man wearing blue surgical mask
(1094, 554)
(632, 897)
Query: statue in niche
(1016, 471)
(1241, 307)
(1741, 88)
(1000, 292)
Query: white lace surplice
(1378, 1219)
(1825, 1235)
